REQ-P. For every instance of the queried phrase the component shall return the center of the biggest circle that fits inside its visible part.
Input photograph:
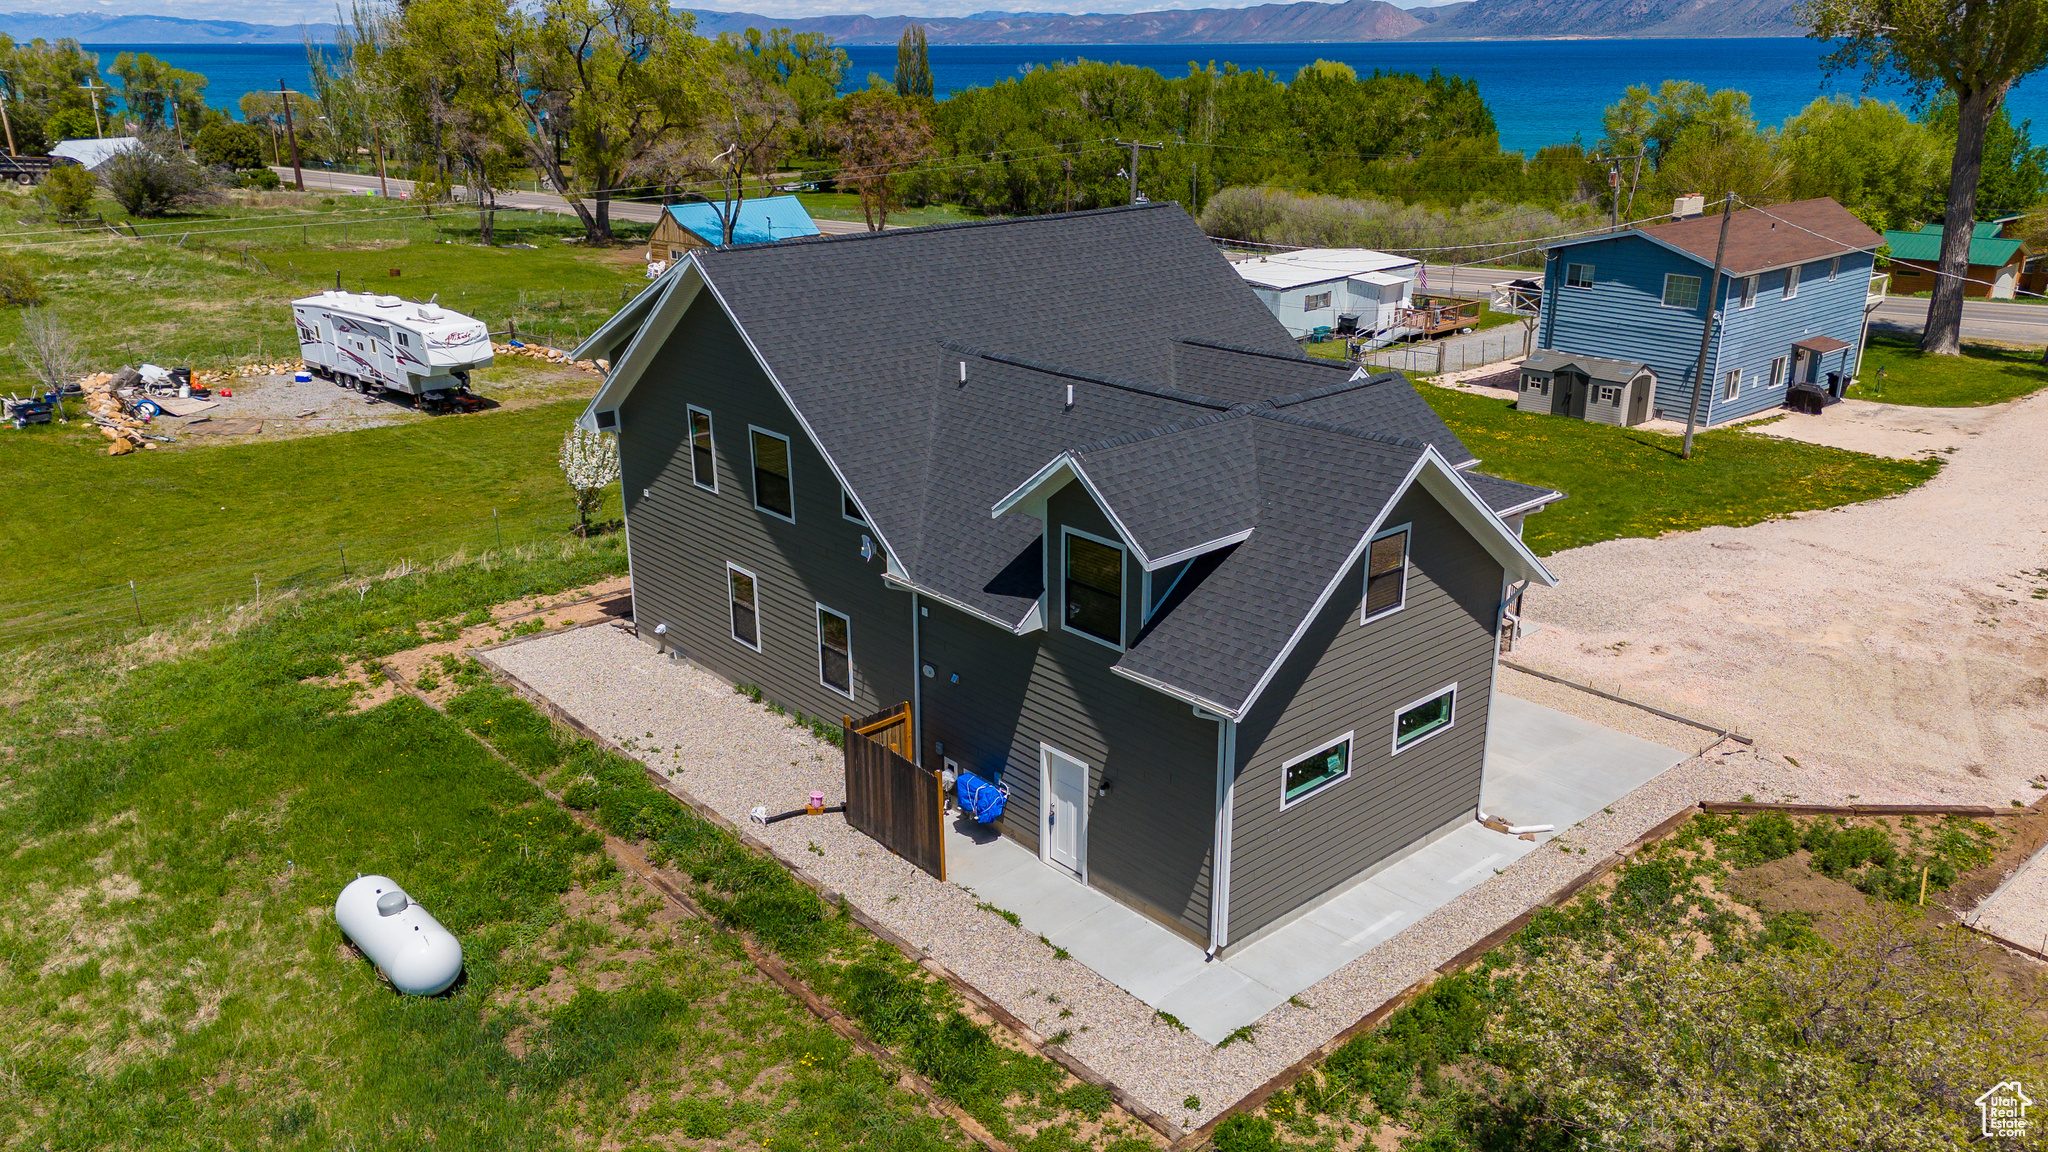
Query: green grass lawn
(846, 206)
(1895, 371)
(212, 287)
(171, 974)
(195, 527)
(1631, 482)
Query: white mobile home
(1317, 287)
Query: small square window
(1386, 574)
(703, 466)
(771, 475)
(1610, 394)
(1317, 770)
(1681, 291)
(1319, 300)
(1578, 275)
(1425, 718)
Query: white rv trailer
(373, 343)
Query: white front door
(1063, 823)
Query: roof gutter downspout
(916, 686)
(1219, 857)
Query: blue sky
(296, 11)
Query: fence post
(136, 597)
(344, 560)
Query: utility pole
(1699, 368)
(383, 184)
(92, 89)
(1067, 166)
(1614, 195)
(298, 177)
(1194, 191)
(1136, 148)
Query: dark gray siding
(682, 536)
(1348, 677)
(1149, 839)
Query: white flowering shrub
(590, 462)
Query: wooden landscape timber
(1023, 1032)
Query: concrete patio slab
(1543, 767)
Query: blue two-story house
(1794, 294)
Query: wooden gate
(891, 799)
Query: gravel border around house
(715, 746)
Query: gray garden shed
(1586, 387)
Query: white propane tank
(402, 939)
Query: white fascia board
(616, 330)
(678, 289)
(1199, 549)
(1464, 505)
(1054, 475)
(1178, 694)
(895, 581)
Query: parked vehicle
(377, 343)
(27, 170)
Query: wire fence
(1453, 355)
(148, 600)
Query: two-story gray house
(1223, 618)
(1794, 293)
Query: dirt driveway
(1894, 650)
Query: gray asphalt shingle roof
(1195, 416)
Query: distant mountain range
(1310, 22)
(93, 28)
(1307, 21)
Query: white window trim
(1394, 740)
(1569, 283)
(1792, 281)
(1779, 372)
(1835, 268)
(1123, 576)
(711, 427)
(754, 480)
(1319, 789)
(1665, 299)
(845, 498)
(1731, 385)
(820, 609)
(1365, 576)
(1614, 388)
(1752, 286)
(732, 629)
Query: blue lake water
(1541, 91)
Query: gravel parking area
(287, 407)
(714, 745)
(1896, 650)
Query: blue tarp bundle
(979, 798)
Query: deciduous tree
(881, 135)
(1975, 50)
